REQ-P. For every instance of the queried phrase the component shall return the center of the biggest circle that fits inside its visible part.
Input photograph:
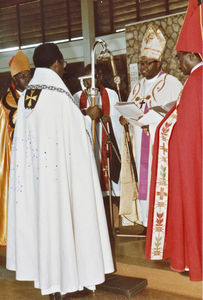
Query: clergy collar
(197, 66)
(19, 92)
(154, 78)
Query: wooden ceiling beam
(7, 3)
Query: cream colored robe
(162, 89)
(57, 231)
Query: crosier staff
(94, 90)
(117, 81)
(91, 94)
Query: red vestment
(183, 231)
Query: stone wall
(170, 27)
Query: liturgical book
(130, 111)
(163, 109)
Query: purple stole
(144, 161)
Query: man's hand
(94, 112)
(106, 118)
(83, 111)
(123, 121)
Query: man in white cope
(57, 231)
(104, 108)
(156, 88)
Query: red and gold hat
(19, 63)
(191, 35)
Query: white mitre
(153, 44)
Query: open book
(136, 116)
(130, 111)
(163, 109)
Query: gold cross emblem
(31, 98)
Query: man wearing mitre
(21, 75)
(156, 88)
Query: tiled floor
(127, 250)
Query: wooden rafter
(7, 3)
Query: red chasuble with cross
(175, 225)
(182, 233)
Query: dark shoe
(78, 294)
(55, 296)
(185, 273)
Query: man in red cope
(104, 108)
(175, 208)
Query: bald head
(187, 61)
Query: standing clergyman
(175, 208)
(156, 88)
(57, 232)
(21, 75)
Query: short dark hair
(46, 54)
